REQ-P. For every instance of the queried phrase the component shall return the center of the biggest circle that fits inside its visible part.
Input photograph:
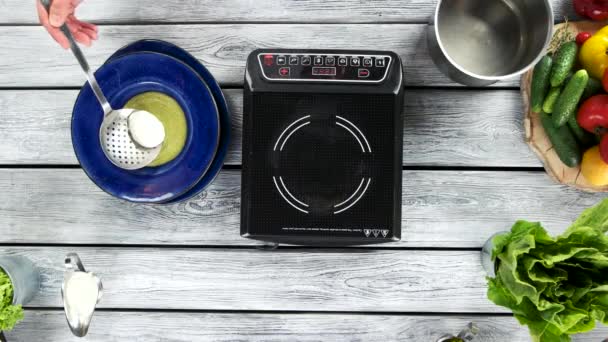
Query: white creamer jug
(81, 291)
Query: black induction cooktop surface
(322, 151)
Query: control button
(355, 61)
(380, 62)
(318, 60)
(294, 60)
(342, 61)
(268, 60)
(363, 73)
(284, 71)
(281, 60)
(330, 61)
(305, 60)
(367, 62)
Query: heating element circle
(299, 204)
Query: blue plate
(159, 46)
(123, 78)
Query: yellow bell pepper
(594, 168)
(594, 54)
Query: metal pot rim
(494, 78)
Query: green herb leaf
(562, 35)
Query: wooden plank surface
(452, 209)
(171, 11)
(285, 280)
(465, 128)
(441, 209)
(223, 48)
(118, 326)
(35, 126)
(442, 128)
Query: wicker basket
(535, 134)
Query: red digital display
(327, 71)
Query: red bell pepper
(593, 114)
(592, 9)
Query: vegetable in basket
(592, 9)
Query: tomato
(582, 37)
(593, 115)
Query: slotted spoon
(130, 139)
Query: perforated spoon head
(118, 145)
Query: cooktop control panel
(323, 67)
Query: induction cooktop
(322, 147)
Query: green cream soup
(170, 113)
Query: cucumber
(563, 141)
(567, 102)
(550, 99)
(585, 138)
(563, 63)
(593, 87)
(540, 83)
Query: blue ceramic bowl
(123, 78)
(169, 49)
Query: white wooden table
(182, 273)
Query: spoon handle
(107, 108)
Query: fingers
(92, 34)
(60, 10)
(82, 33)
(55, 33)
(88, 28)
(78, 34)
(87, 25)
(42, 15)
(58, 36)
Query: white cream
(145, 129)
(80, 294)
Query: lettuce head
(10, 314)
(556, 286)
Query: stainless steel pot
(480, 42)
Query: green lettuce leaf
(10, 314)
(595, 217)
(558, 286)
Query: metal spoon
(130, 139)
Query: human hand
(62, 12)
